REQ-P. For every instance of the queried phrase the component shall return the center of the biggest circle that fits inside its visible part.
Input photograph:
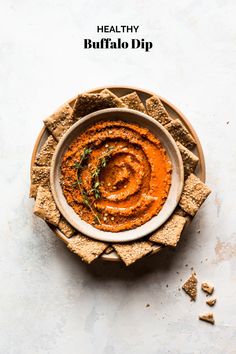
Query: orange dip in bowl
(116, 175)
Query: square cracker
(87, 103)
(190, 160)
(60, 121)
(45, 207)
(45, 155)
(180, 133)
(156, 110)
(87, 248)
(194, 194)
(40, 176)
(66, 228)
(133, 101)
(131, 252)
(169, 233)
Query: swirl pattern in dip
(116, 175)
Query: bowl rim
(86, 228)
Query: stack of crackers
(194, 193)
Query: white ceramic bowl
(177, 178)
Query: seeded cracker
(156, 110)
(45, 155)
(207, 288)
(66, 228)
(169, 234)
(131, 252)
(87, 248)
(190, 160)
(91, 102)
(194, 194)
(133, 101)
(45, 206)
(60, 121)
(190, 287)
(180, 133)
(207, 317)
(39, 177)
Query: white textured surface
(52, 303)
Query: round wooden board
(143, 94)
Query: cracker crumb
(211, 302)
(207, 317)
(207, 288)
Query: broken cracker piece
(40, 176)
(87, 103)
(194, 194)
(133, 101)
(60, 121)
(66, 228)
(207, 317)
(45, 206)
(85, 247)
(156, 110)
(169, 234)
(190, 160)
(131, 252)
(46, 152)
(190, 287)
(109, 250)
(180, 133)
(211, 302)
(207, 288)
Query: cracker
(133, 101)
(40, 176)
(85, 247)
(66, 228)
(207, 317)
(207, 288)
(45, 155)
(190, 287)
(131, 252)
(211, 302)
(180, 133)
(190, 160)
(60, 121)
(45, 207)
(87, 103)
(169, 233)
(194, 194)
(156, 110)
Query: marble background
(52, 303)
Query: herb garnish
(79, 166)
(95, 177)
(95, 174)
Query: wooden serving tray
(143, 94)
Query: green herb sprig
(79, 166)
(95, 174)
